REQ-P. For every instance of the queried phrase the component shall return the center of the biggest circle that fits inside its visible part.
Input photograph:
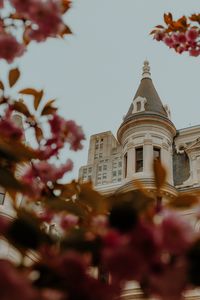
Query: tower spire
(146, 70)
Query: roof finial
(146, 70)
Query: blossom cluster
(181, 41)
(149, 252)
(36, 19)
(182, 35)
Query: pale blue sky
(95, 73)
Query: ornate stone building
(146, 132)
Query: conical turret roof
(146, 90)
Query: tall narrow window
(2, 198)
(125, 165)
(139, 159)
(156, 153)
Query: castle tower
(146, 133)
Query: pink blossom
(170, 282)
(100, 221)
(52, 294)
(63, 131)
(25, 6)
(180, 49)
(13, 284)
(4, 225)
(47, 172)
(194, 52)
(181, 38)
(75, 135)
(69, 221)
(46, 216)
(159, 35)
(57, 124)
(8, 128)
(47, 16)
(192, 34)
(10, 47)
(1, 3)
(177, 235)
(168, 41)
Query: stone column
(147, 157)
(166, 160)
(130, 162)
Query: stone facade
(146, 132)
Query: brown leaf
(66, 4)
(66, 30)
(140, 201)
(38, 97)
(184, 201)
(17, 152)
(3, 100)
(22, 108)
(48, 108)
(58, 204)
(94, 200)
(36, 94)
(168, 18)
(159, 174)
(1, 86)
(159, 26)
(13, 76)
(28, 91)
(38, 133)
(153, 31)
(8, 181)
(195, 18)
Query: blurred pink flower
(47, 16)
(10, 47)
(8, 128)
(170, 282)
(13, 284)
(192, 34)
(168, 41)
(1, 3)
(194, 52)
(75, 135)
(52, 294)
(69, 221)
(177, 235)
(25, 6)
(4, 224)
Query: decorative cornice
(150, 118)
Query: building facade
(147, 132)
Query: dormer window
(139, 104)
(167, 109)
